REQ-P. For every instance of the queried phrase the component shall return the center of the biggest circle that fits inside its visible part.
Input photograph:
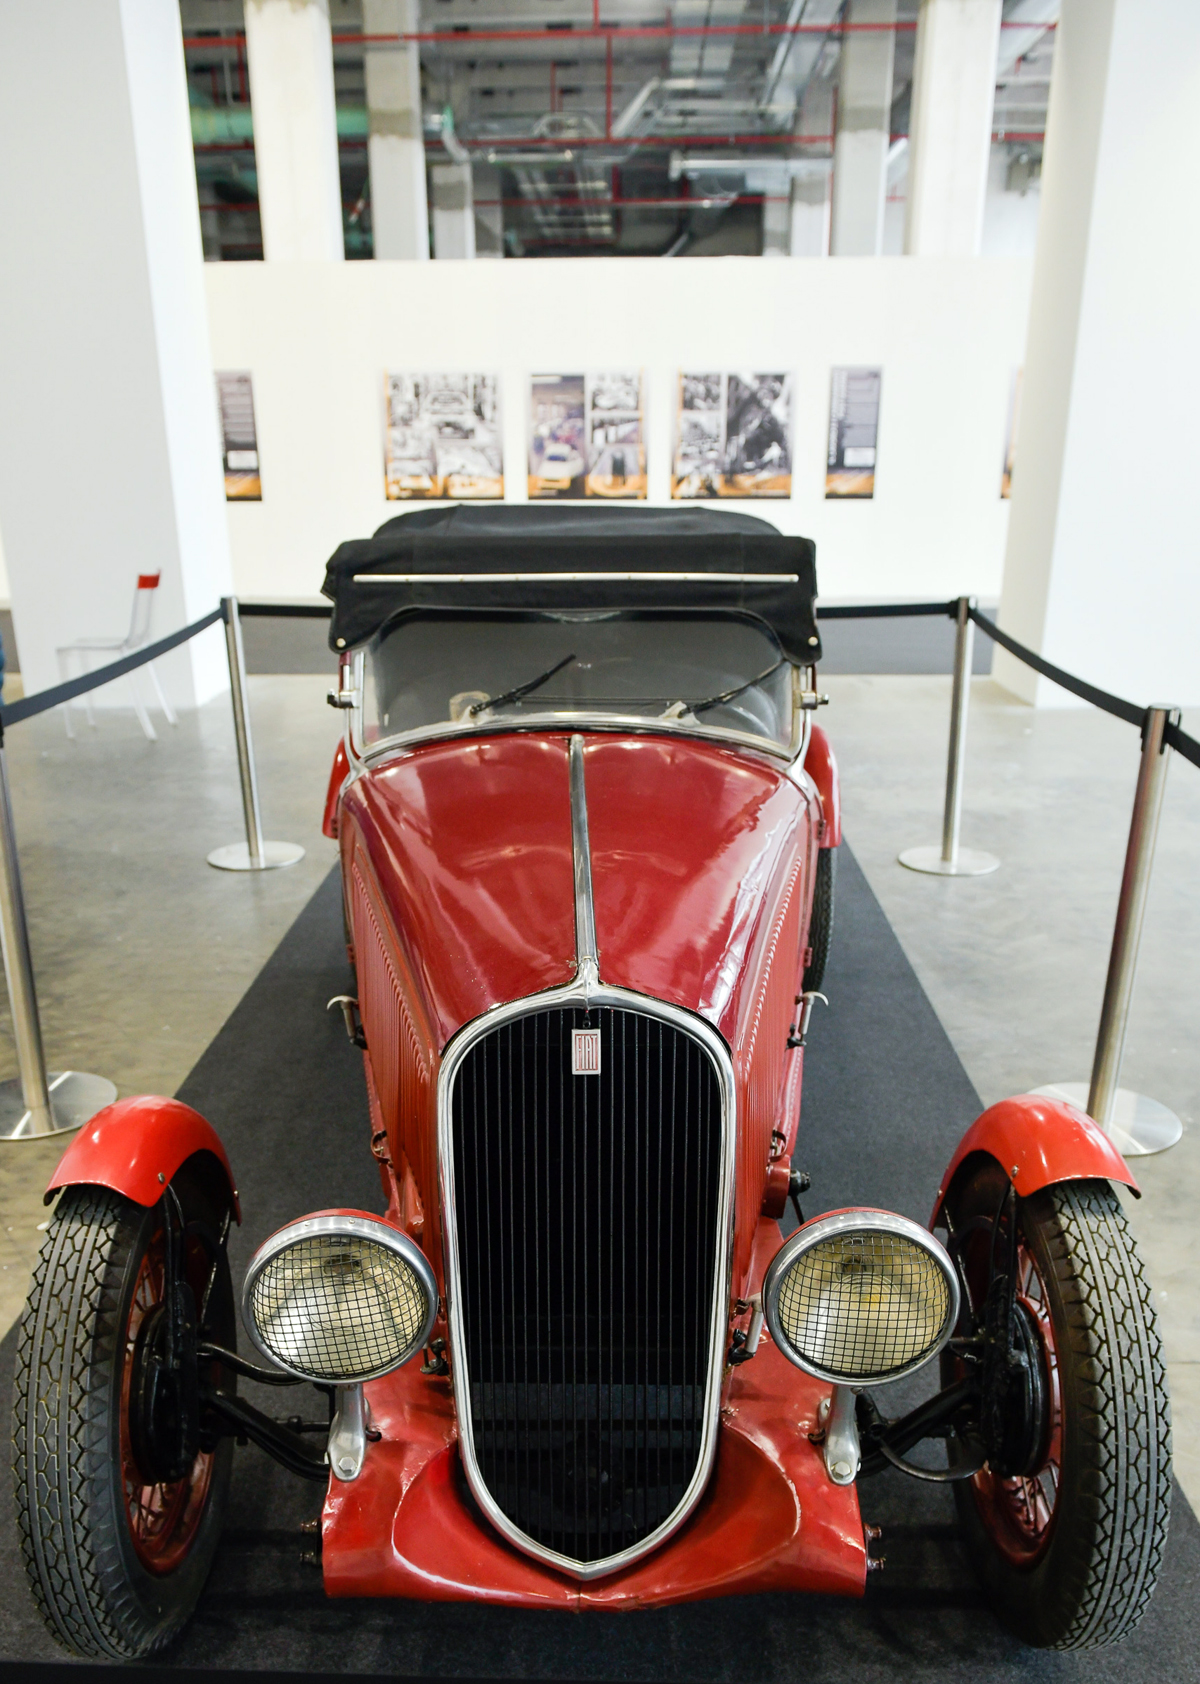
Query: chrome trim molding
(633, 724)
(842, 1449)
(587, 959)
(456, 1050)
(863, 1221)
(347, 1447)
(570, 578)
(364, 1227)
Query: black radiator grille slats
(587, 1214)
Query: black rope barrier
(1103, 699)
(285, 610)
(12, 713)
(1179, 740)
(1182, 743)
(886, 610)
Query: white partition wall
(110, 456)
(1102, 575)
(947, 334)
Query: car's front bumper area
(771, 1518)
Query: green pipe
(217, 125)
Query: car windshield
(723, 671)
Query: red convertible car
(588, 828)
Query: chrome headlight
(861, 1297)
(339, 1298)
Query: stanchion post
(960, 701)
(950, 860)
(36, 1105)
(18, 971)
(241, 730)
(254, 854)
(1131, 909)
(1136, 1124)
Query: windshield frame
(366, 754)
(363, 755)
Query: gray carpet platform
(885, 1101)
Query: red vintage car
(588, 828)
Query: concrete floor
(142, 950)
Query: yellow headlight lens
(862, 1303)
(339, 1305)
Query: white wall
(1102, 572)
(946, 331)
(109, 447)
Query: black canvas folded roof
(725, 561)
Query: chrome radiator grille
(587, 1227)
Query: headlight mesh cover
(338, 1307)
(864, 1305)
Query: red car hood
(469, 844)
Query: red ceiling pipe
(627, 32)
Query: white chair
(137, 637)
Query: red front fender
(821, 767)
(136, 1146)
(1038, 1141)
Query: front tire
(820, 924)
(1069, 1554)
(116, 1558)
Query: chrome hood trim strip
(456, 1050)
(587, 958)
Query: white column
(1101, 575)
(395, 138)
(777, 216)
(110, 456)
(489, 217)
(950, 130)
(813, 177)
(453, 210)
(864, 121)
(295, 128)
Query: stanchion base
(236, 857)
(971, 862)
(1140, 1126)
(74, 1100)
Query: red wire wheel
(1069, 1552)
(116, 1544)
(163, 1518)
(1020, 1513)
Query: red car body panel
(1038, 1141)
(458, 863)
(339, 772)
(460, 866)
(771, 1518)
(821, 767)
(136, 1145)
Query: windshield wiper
(728, 695)
(521, 689)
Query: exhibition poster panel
(1010, 443)
(853, 432)
(442, 436)
(587, 435)
(239, 437)
(733, 436)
